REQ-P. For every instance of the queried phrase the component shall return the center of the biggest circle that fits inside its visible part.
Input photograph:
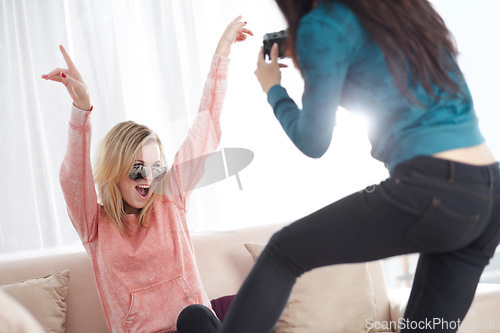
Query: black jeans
(447, 211)
(197, 318)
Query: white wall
(282, 184)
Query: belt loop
(451, 172)
(490, 178)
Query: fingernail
(63, 75)
(245, 22)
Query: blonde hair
(115, 157)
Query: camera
(275, 37)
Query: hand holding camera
(268, 73)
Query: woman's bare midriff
(477, 155)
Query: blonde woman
(134, 228)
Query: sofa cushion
(84, 313)
(14, 317)
(44, 297)
(221, 306)
(481, 317)
(329, 299)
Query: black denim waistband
(450, 170)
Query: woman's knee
(300, 247)
(196, 317)
(277, 245)
(194, 311)
(281, 251)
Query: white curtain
(146, 60)
(140, 60)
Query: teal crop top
(342, 65)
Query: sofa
(224, 262)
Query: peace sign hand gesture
(73, 82)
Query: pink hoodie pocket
(156, 308)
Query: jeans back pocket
(442, 229)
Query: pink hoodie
(144, 281)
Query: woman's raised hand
(235, 32)
(73, 82)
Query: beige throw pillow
(329, 299)
(44, 297)
(14, 318)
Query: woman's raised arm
(204, 135)
(76, 177)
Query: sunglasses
(140, 172)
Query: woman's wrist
(271, 86)
(223, 51)
(83, 106)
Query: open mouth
(142, 190)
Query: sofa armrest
(482, 315)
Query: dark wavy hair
(409, 33)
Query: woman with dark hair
(396, 61)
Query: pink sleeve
(77, 180)
(203, 137)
